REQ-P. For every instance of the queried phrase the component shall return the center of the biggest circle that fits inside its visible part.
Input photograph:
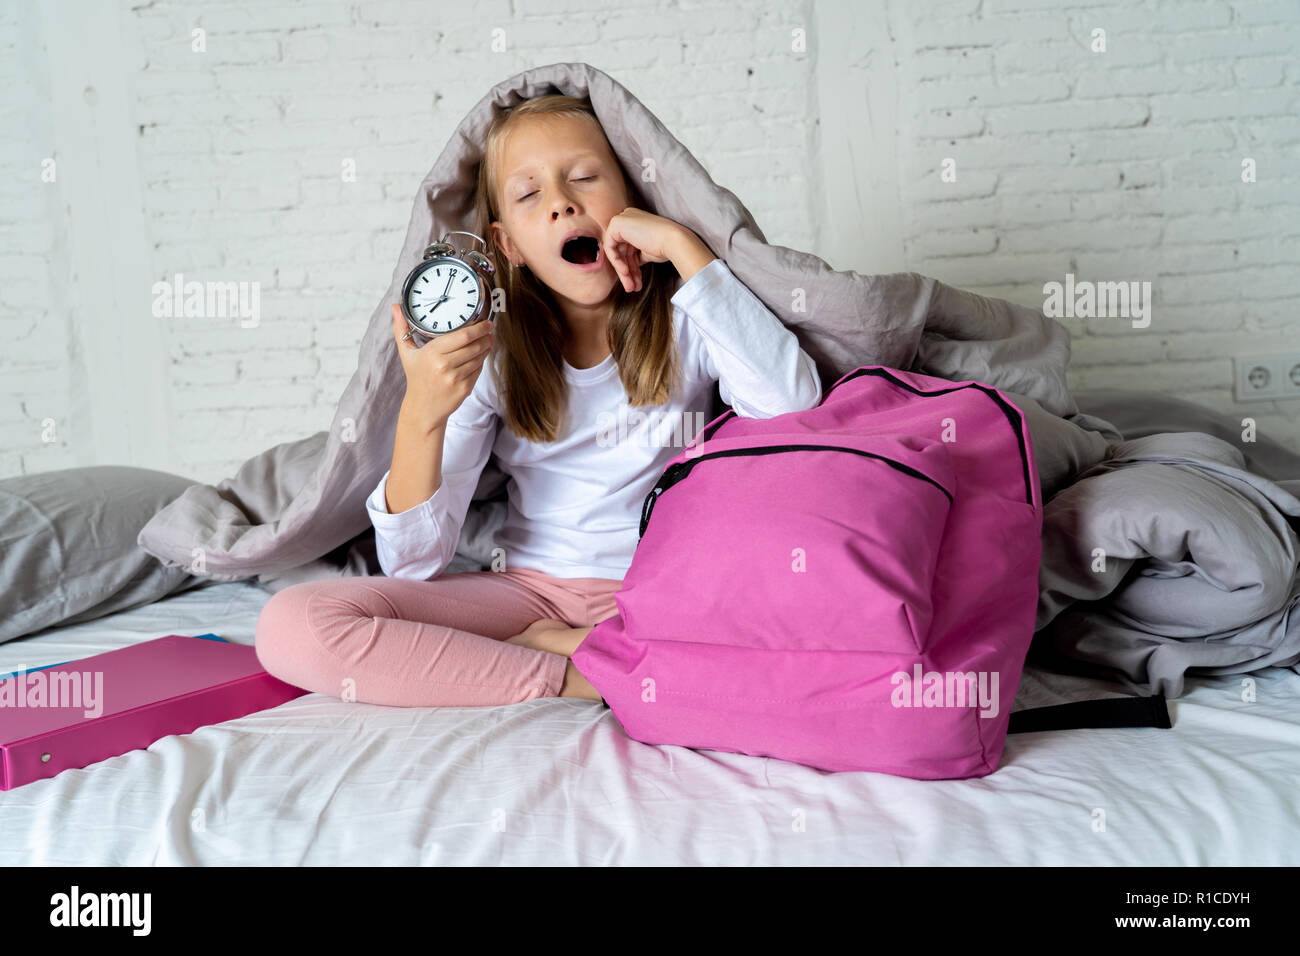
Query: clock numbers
(452, 302)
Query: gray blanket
(297, 511)
(1171, 556)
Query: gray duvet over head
(296, 502)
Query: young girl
(603, 358)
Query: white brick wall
(1119, 165)
(35, 384)
(226, 166)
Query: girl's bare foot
(538, 635)
(557, 637)
(575, 685)
(551, 635)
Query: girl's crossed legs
(382, 640)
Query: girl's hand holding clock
(441, 373)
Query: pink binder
(80, 712)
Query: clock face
(443, 295)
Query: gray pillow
(1140, 414)
(68, 550)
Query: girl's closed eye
(534, 192)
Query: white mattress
(557, 782)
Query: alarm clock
(448, 290)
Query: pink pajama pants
(426, 643)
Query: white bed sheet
(318, 781)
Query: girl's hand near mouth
(635, 237)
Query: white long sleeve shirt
(574, 504)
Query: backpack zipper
(1013, 414)
(675, 473)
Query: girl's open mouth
(584, 252)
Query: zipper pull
(669, 478)
(647, 507)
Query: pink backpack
(850, 587)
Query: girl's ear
(502, 241)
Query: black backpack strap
(1081, 714)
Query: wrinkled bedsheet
(556, 782)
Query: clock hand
(442, 298)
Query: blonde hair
(530, 329)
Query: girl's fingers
(636, 271)
(618, 250)
(611, 245)
(615, 254)
(400, 328)
(630, 254)
(626, 257)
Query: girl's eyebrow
(518, 173)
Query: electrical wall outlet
(1262, 378)
(1291, 377)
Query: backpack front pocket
(798, 542)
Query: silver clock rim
(418, 271)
